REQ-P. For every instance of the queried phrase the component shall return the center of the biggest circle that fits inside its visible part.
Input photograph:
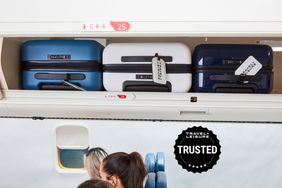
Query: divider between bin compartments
(10, 71)
(3, 84)
(193, 112)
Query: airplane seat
(160, 162)
(161, 181)
(150, 162)
(151, 180)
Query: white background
(177, 17)
(145, 10)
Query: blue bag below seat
(47, 64)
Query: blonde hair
(93, 160)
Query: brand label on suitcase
(249, 67)
(159, 70)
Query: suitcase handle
(234, 88)
(238, 61)
(238, 78)
(144, 58)
(146, 86)
(51, 76)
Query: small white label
(249, 67)
(159, 70)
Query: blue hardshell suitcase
(214, 67)
(50, 64)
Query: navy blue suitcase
(62, 65)
(214, 67)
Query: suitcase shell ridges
(81, 50)
(65, 57)
(113, 53)
(226, 59)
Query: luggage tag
(74, 86)
(250, 67)
(159, 70)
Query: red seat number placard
(120, 26)
(117, 26)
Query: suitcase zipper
(146, 68)
(220, 69)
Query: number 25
(121, 27)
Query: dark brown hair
(129, 168)
(95, 184)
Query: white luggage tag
(159, 70)
(249, 67)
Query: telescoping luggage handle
(143, 86)
(239, 84)
(64, 86)
(234, 88)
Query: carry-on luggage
(62, 65)
(147, 67)
(232, 68)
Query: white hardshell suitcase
(147, 67)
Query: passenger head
(95, 184)
(93, 159)
(124, 170)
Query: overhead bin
(135, 105)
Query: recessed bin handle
(193, 112)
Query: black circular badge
(197, 149)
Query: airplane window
(71, 146)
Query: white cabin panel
(178, 18)
(250, 153)
(146, 10)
